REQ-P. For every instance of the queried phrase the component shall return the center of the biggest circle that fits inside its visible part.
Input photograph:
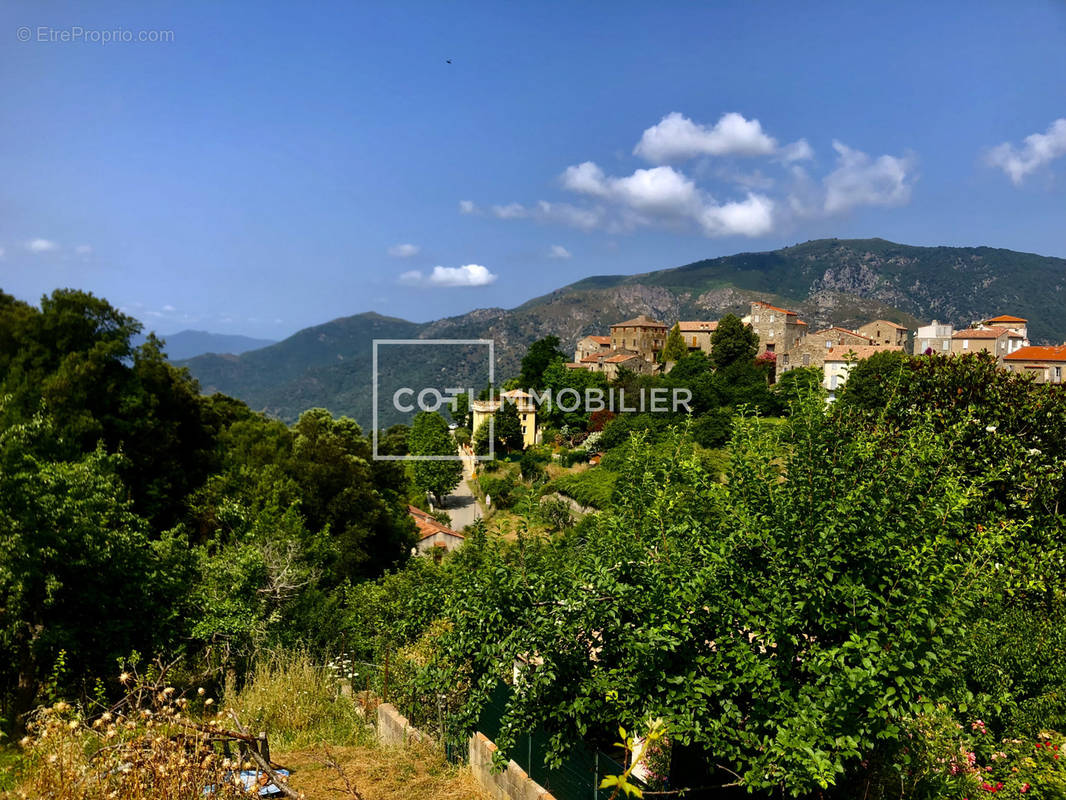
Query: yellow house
(483, 410)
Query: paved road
(461, 504)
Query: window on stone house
(947, 345)
(965, 344)
(806, 359)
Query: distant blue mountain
(189, 344)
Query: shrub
(593, 487)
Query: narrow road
(461, 504)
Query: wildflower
(208, 701)
(124, 678)
(990, 428)
(1024, 788)
(200, 691)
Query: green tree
(732, 342)
(508, 427)
(460, 410)
(536, 360)
(430, 437)
(78, 569)
(799, 384)
(674, 349)
(362, 502)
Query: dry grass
(297, 702)
(414, 772)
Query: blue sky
(278, 165)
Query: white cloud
(798, 150)
(169, 308)
(510, 211)
(41, 245)
(677, 137)
(2, 251)
(404, 250)
(467, 275)
(859, 180)
(555, 251)
(467, 207)
(1038, 149)
(753, 216)
(664, 195)
(83, 249)
(714, 197)
(660, 190)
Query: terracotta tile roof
(593, 358)
(427, 526)
(981, 333)
(860, 351)
(618, 359)
(774, 308)
(1055, 352)
(841, 330)
(888, 323)
(599, 339)
(1006, 318)
(642, 321)
(801, 322)
(696, 326)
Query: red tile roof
(618, 359)
(696, 326)
(427, 526)
(886, 322)
(860, 351)
(981, 333)
(774, 308)
(1006, 318)
(593, 358)
(842, 330)
(642, 321)
(1055, 352)
(600, 339)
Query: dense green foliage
(870, 603)
(537, 359)
(430, 437)
(138, 515)
(675, 347)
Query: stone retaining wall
(511, 784)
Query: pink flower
(1024, 788)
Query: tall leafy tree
(359, 500)
(430, 437)
(79, 572)
(675, 348)
(732, 342)
(508, 427)
(537, 359)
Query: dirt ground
(409, 773)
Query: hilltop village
(785, 342)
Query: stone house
(881, 331)
(934, 337)
(634, 362)
(590, 346)
(1016, 324)
(779, 330)
(433, 537)
(812, 349)
(642, 335)
(1046, 364)
(997, 341)
(697, 334)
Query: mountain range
(189, 344)
(828, 282)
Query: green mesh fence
(576, 778)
